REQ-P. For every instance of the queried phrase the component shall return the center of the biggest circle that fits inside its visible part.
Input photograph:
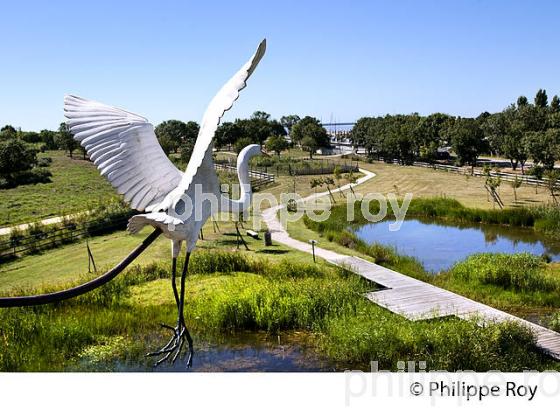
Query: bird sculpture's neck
(244, 202)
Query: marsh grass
(514, 282)
(521, 272)
(373, 334)
(228, 293)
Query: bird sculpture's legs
(180, 331)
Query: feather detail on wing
(157, 219)
(221, 103)
(124, 148)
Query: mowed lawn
(75, 184)
(423, 182)
(62, 265)
(69, 262)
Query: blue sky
(333, 60)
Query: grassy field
(75, 184)
(61, 265)
(423, 182)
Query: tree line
(18, 149)
(179, 137)
(522, 131)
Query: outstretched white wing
(222, 102)
(124, 147)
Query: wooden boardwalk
(409, 297)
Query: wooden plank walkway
(406, 296)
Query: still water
(243, 352)
(438, 246)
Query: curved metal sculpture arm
(18, 301)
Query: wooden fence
(258, 178)
(297, 166)
(54, 237)
(505, 176)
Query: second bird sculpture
(126, 151)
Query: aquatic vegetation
(521, 272)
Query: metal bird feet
(172, 349)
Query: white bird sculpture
(124, 147)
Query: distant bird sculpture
(124, 147)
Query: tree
(431, 134)
(541, 99)
(83, 151)
(531, 118)
(276, 128)
(543, 146)
(352, 178)
(15, 156)
(276, 143)
(48, 138)
(173, 132)
(553, 183)
(188, 141)
(555, 104)
(522, 100)
(260, 116)
(186, 150)
(504, 132)
(288, 121)
(314, 183)
(258, 128)
(401, 138)
(467, 141)
(328, 182)
(242, 143)
(227, 133)
(191, 131)
(30, 137)
(515, 184)
(7, 132)
(65, 140)
(310, 134)
(167, 144)
(309, 144)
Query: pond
(439, 245)
(242, 352)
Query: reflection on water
(438, 246)
(246, 352)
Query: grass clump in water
(521, 272)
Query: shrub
(44, 162)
